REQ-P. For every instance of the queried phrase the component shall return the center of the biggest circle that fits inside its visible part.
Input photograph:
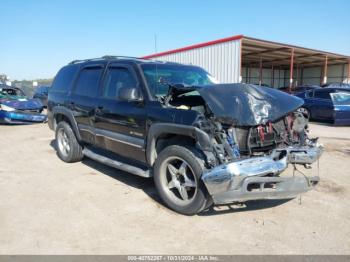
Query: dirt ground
(50, 207)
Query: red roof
(222, 40)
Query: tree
(3, 78)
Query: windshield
(11, 93)
(341, 98)
(159, 76)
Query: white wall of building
(222, 60)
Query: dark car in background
(303, 88)
(298, 89)
(41, 93)
(327, 104)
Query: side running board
(116, 164)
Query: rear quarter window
(64, 78)
(322, 94)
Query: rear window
(88, 81)
(64, 78)
(341, 98)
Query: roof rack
(106, 57)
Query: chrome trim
(304, 155)
(87, 130)
(267, 188)
(115, 136)
(121, 138)
(230, 176)
(120, 141)
(231, 182)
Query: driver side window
(117, 78)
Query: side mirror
(129, 94)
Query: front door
(120, 125)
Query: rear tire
(177, 177)
(68, 148)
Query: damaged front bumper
(257, 177)
(21, 117)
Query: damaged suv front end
(255, 133)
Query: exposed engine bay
(236, 138)
(233, 142)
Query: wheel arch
(61, 113)
(176, 132)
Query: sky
(38, 37)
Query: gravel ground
(50, 207)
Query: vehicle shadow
(142, 183)
(148, 187)
(251, 205)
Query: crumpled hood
(248, 105)
(23, 104)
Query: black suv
(202, 142)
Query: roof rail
(106, 57)
(119, 57)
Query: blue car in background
(327, 104)
(15, 108)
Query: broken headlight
(6, 108)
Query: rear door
(84, 100)
(120, 125)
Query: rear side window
(322, 94)
(64, 78)
(88, 81)
(116, 78)
(309, 94)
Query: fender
(158, 129)
(67, 113)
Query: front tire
(68, 148)
(177, 177)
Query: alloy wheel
(178, 180)
(63, 142)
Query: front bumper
(16, 117)
(257, 177)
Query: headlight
(6, 108)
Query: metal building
(250, 60)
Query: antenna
(155, 44)
(156, 51)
